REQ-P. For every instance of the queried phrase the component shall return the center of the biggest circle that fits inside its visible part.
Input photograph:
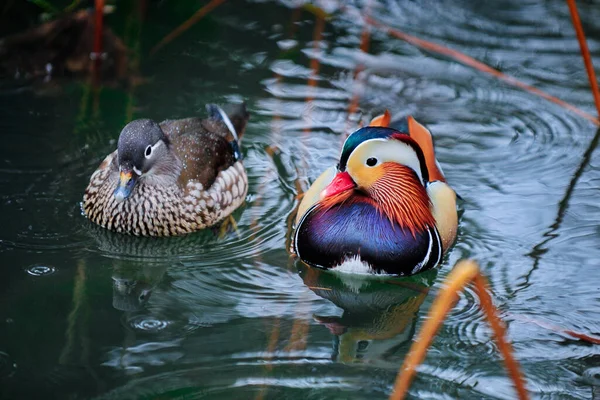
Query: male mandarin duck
(171, 178)
(386, 209)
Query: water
(85, 313)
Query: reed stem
(462, 274)
(585, 52)
(201, 13)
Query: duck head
(142, 145)
(386, 167)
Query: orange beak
(340, 183)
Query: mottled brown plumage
(171, 178)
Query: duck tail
(235, 119)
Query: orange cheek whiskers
(335, 200)
(400, 195)
(397, 194)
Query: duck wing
(206, 146)
(220, 121)
(203, 155)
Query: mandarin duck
(171, 178)
(385, 209)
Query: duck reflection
(152, 249)
(139, 263)
(133, 283)
(379, 313)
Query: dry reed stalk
(315, 66)
(555, 328)
(98, 28)
(499, 330)
(478, 65)
(201, 13)
(462, 274)
(365, 39)
(585, 53)
(271, 346)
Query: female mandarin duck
(171, 178)
(386, 210)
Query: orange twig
(577, 335)
(201, 13)
(463, 273)
(585, 52)
(271, 346)
(365, 40)
(583, 336)
(98, 27)
(314, 61)
(481, 286)
(478, 65)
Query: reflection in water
(122, 246)
(63, 48)
(541, 248)
(133, 283)
(591, 376)
(379, 314)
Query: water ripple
(38, 222)
(148, 324)
(40, 270)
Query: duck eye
(148, 151)
(371, 162)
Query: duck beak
(126, 183)
(340, 183)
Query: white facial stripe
(391, 150)
(228, 123)
(137, 171)
(157, 145)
